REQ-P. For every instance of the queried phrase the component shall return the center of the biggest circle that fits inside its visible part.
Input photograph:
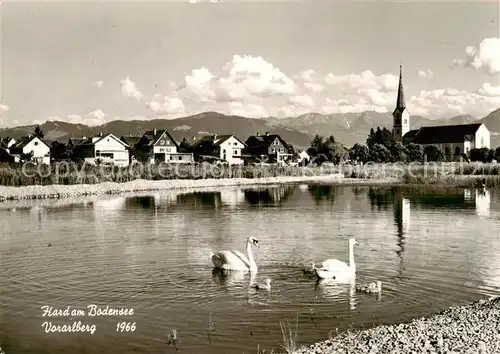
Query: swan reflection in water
(333, 289)
(233, 278)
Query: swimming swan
(260, 286)
(333, 268)
(235, 260)
(372, 288)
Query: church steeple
(401, 116)
(400, 103)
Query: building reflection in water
(323, 192)
(268, 196)
(483, 202)
(108, 207)
(402, 221)
(232, 197)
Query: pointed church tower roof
(400, 103)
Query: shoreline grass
(31, 181)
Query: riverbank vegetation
(466, 174)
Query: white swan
(333, 268)
(260, 286)
(235, 260)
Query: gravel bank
(473, 328)
(140, 185)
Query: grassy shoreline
(473, 328)
(70, 180)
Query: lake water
(151, 253)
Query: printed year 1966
(125, 327)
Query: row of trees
(381, 147)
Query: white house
(224, 147)
(103, 149)
(157, 146)
(30, 145)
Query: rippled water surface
(431, 250)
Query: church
(455, 141)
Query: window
(282, 150)
(457, 150)
(171, 157)
(235, 143)
(35, 143)
(168, 142)
(398, 121)
(406, 121)
(167, 149)
(162, 150)
(397, 131)
(180, 158)
(223, 151)
(273, 150)
(482, 142)
(276, 142)
(235, 152)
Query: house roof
(88, 141)
(76, 141)
(443, 134)
(217, 140)
(154, 135)
(264, 141)
(130, 140)
(25, 140)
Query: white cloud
(129, 89)
(98, 83)
(450, 102)
(91, 119)
(425, 73)
(4, 108)
(367, 80)
(489, 90)
(168, 105)
(253, 87)
(249, 110)
(485, 57)
(314, 87)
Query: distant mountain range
(349, 128)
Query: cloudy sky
(91, 62)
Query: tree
(491, 156)
(184, 146)
(359, 153)
(59, 151)
(497, 154)
(479, 155)
(38, 132)
(398, 152)
(433, 153)
(414, 152)
(370, 141)
(379, 153)
(316, 146)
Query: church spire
(400, 103)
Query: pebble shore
(469, 329)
